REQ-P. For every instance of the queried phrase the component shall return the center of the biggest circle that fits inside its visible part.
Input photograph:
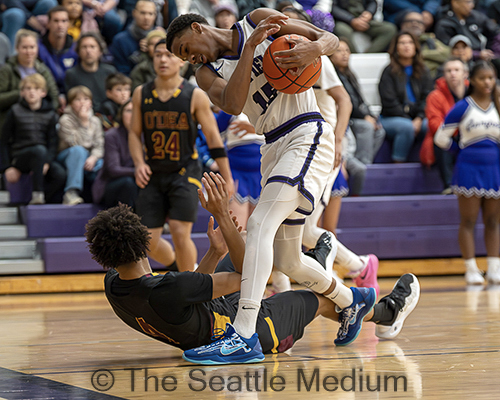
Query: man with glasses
(434, 52)
(394, 10)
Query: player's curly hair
(181, 23)
(116, 237)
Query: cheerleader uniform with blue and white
(477, 169)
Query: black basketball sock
(384, 313)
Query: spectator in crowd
(29, 141)
(395, 9)
(226, 15)
(357, 16)
(57, 49)
(245, 6)
(166, 113)
(461, 48)
(106, 14)
(4, 48)
(144, 71)
(365, 126)
(81, 143)
(20, 14)
(484, 34)
(476, 178)
(115, 181)
(403, 88)
(117, 94)
(18, 67)
(90, 71)
(128, 46)
(434, 52)
(449, 90)
(166, 10)
(494, 11)
(207, 9)
(80, 20)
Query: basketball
(282, 79)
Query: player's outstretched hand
(217, 242)
(217, 200)
(267, 27)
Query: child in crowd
(118, 90)
(80, 21)
(29, 141)
(81, 143)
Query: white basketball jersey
(265, 107)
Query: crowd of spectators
(89, 56)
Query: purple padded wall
(391, 211)
(70, 255)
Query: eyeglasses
(413, 21)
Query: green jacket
(434, 52)
(10, 78)
(142, 73)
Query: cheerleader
(476, 178)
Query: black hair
(96, 36)
(161, 41)
(481, 65)
(180, 24)
(116, 237)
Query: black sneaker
(325, 250)
(403, 299)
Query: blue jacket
(125, 51)
(58, 62)
(395, 8)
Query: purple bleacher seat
(408, 242)
(56, 220)
(405, 178)
(20, 192)
(70, 255)
(392, 211)
(384, 154)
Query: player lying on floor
(187, 309)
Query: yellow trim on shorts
(194, 182)
(220, 322)
(273, 334)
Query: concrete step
(14, 267)
(18, 249)
(4, 197)
(13, 232)
(8, 216)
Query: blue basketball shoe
(351, 318)
(228, 348)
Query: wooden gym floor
(71, 346)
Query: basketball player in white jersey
(296, 161)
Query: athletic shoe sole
(370, 279)
(390, 332)
(224, 362)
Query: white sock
(347, 259)
(493, 263)
(246, 317)
(470, 263)
(341, 295)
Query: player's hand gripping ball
(282, 79)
